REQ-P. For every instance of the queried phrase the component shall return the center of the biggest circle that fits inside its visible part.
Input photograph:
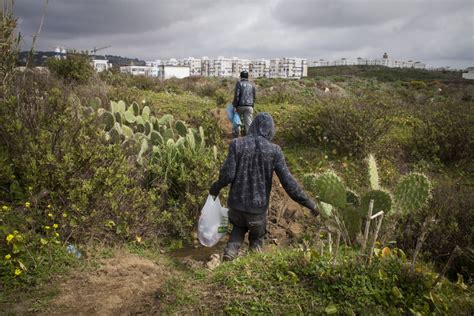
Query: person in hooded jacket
(249, 169)
(244, 99)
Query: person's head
(263, 125)
(244, 74)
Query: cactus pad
(95, 103)
(166, 119)
(148, 128)
(325, 209)
(373, 173)
(146, 113)
(134, 108)
(413, 192)
(127, 131)
(118, 117)
(352, 220)
(107, 120)
(352, 198)
(129, 117)
(382, 202)
(328, 187)
(181, 128)
(121, 106)
(156, 138)
(168, 134)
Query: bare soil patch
(123, 285)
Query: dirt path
(123, 285)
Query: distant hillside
(383, 73)
(39, 59)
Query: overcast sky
(437, 32)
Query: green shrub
(305, 282)
(76, 68)
(337, 127)
(445, 134)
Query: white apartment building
(286, 67)
(274, 71)
(167, 72)
(195, 65)
(101, 65)
(221, 67)
(205, 66)
(239, 65)
(384, 61)
(259, 68)
(136, 70)
(469, 74)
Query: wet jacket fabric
(249, 169)
(245, 94)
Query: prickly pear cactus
(121, 106)
(328, 187)
(352, 198)
(118, 117)
(382, 202)
(325, 208)
(107, 119)
(139, 120)
(166, 119)
(148, 128)
(352, 220)
(134, 109)
(95, 103)
(191, 141)
(413, 192)
(181, 128)
(373, 172)
(146, 113)
(168, 134)
(127, 131)
(156, 138)
(129, 117)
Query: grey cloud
(426, 30)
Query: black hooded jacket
(244, 94)
(249, 169)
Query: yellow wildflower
(8, 257)
(27, 204)
(5, 208)
(47, 227)
(385, 251)
(138, 238)
(50, 215)
(55, 225)
(17, 272)
(49, 205)
(56, 234)
(10, 237)
(64, 214)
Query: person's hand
(314, 210)
(235, 110)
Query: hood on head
(263, 125)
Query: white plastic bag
(213, 222)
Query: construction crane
(95, 50)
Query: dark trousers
(254, 224)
